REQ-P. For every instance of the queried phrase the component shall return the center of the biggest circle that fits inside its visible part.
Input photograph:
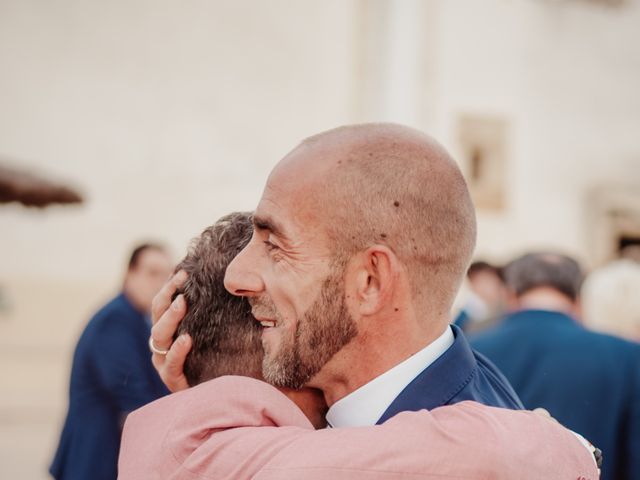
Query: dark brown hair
(481, 266)
(226, 337)
(545, 269)
(139, 250)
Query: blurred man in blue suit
(485, 298)
(112, 373)
(588, 381)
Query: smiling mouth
(265, 322)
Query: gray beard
(324, 329)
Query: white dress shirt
(365, 406)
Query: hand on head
(166, 316)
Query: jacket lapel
(439, 382)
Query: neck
(311, 402)
(545, 298)
(386, 343)
(133, 300)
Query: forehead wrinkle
(268, 216)
(291, 206)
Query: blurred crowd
(566, 343)
(605, 300)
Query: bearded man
(361, 239)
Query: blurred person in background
(112, 372)
(486, 297)
(611, 299)
(588, 381)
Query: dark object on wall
(32, 190)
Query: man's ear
(378, 269)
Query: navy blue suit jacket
(588, 381)
(459, 374)
(111, 375)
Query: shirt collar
(366, 405)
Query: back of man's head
(397, 186)
(611, 301)
(226, 338)
(549, 270)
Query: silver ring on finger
(155, 349)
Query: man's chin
(276, 378)
(280, 374)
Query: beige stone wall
(564, 74)
(167, 115)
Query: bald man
(360, 242)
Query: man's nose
(242, 277)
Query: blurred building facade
(171, 114)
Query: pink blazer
(238, 427)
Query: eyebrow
(266, 223)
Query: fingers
(544, 413)
(164, 329)
(166, 316)
(173, 370)
(162, 300)
(170, 366)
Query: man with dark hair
(480, 266)
(229, 427)
(487, 297)
(221, 325)
(527, 275)
(226, 339)
(588, 381)
(112, 373)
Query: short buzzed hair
(226, 337)
(397, 186)
(552, 270)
